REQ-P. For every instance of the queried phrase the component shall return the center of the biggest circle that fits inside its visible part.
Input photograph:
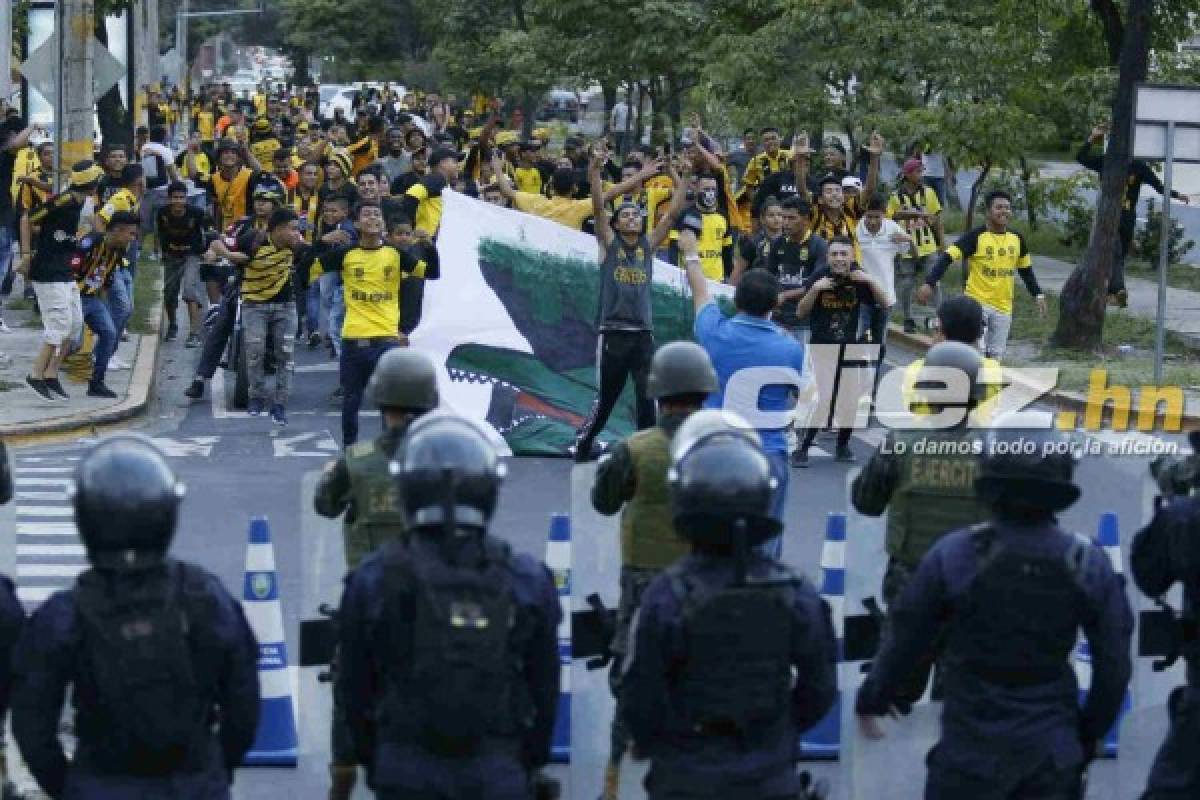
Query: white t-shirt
(620, 117)
(879, 254)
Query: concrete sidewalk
(24, 413)
(1183, 305)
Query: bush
(1146, 240)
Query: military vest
(374, 496)
(936, 490)
(648, 537)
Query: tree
(1084, 296)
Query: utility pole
(149, 49)
(5, 49)
(74, 105)
(181, 43)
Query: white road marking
(313, 444)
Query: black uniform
(1165, 552)
(145, 706)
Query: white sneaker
(4, 327)
(117, 364)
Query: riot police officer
(12, 617)
(1006, 599)
(925, 479)
(1165, 552)
(633, 476)
(404, 386)
(450, 669)
(733, 654)
(160, 661)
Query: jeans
(6, 257)
(277, 320)
(217, 332)
(773, 547)
(97, 317)
(909, 272)
(120, 299)
(355, 366)
(312, 308)
(996, 325)
(623, 354)
(333, 308)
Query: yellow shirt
(428, 194)
(306, 208)
(260, 104)
(992, 263)
(562, 210)
(203, 168)
(122, 200)
(206, 125)
(991, 376)
(371, 278)
(714, 238)
(264, 150)
(365, 152)
(231, 195)
(765, 164)
(921, 231)
(528, 180)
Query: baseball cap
(441, 154)
(852, 182)
(85, 174)
(911, 166)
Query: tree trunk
(1110, 20)
(1085, 294)
(657, 137)
(116, 122)
(953, 201)
(674, 106)
(300, 67)
(609, 90)
(1026, 176)
(529, 105)
(969, 222)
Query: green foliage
(1147, 241)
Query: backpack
(137, 650)
(737, 677)
(459, 679)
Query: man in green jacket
(632, 479)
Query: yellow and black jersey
(267, 276)
(365, 152)
(924, 199)
(232, 195)
(714, 246)
(765, 164)
(94, 263)
(29, 196)
(826, 227)
(652, 201)
(371, 280)
(206, 125)
(264, 150)
(305, 207)
(993, 260)
(121, 200)
(423, 202)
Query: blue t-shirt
(743, 342)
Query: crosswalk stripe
(43, 481)
(59, 496)
(53, 550)
(33, 595)
(45, 470)
(44, 529)
(49, 570)
(45, 511)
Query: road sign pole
(5, 49)
(76, 22)
(1164, 241)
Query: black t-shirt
(834, 315)
(795, 264)
(182, 234)
(8, 160)
(755, 250)
(58, 221)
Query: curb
(143, 376)
(1061, 400)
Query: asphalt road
(238, 467)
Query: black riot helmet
(1027, 469)
(126, 503)
(720, 480)
(951, 355)
(681, 368)
(449, 474)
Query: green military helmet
(951, 355)
(404, 379)
(681, 368)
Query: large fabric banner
(512, 324)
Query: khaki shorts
(62, 312)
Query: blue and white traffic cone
(558, 560)
(824, 740)
(275, 743)
(1109, 536)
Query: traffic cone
(1108, 535)
(823, 741)
(558, 559)
(275, 743)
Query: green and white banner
(511, 323)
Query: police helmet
(1030, 468)
(270, 190)
(126, 503)
(404, 379)
(681, 368)
(449, 474)
(720, 477)
(951, 355)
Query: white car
(335, 97)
